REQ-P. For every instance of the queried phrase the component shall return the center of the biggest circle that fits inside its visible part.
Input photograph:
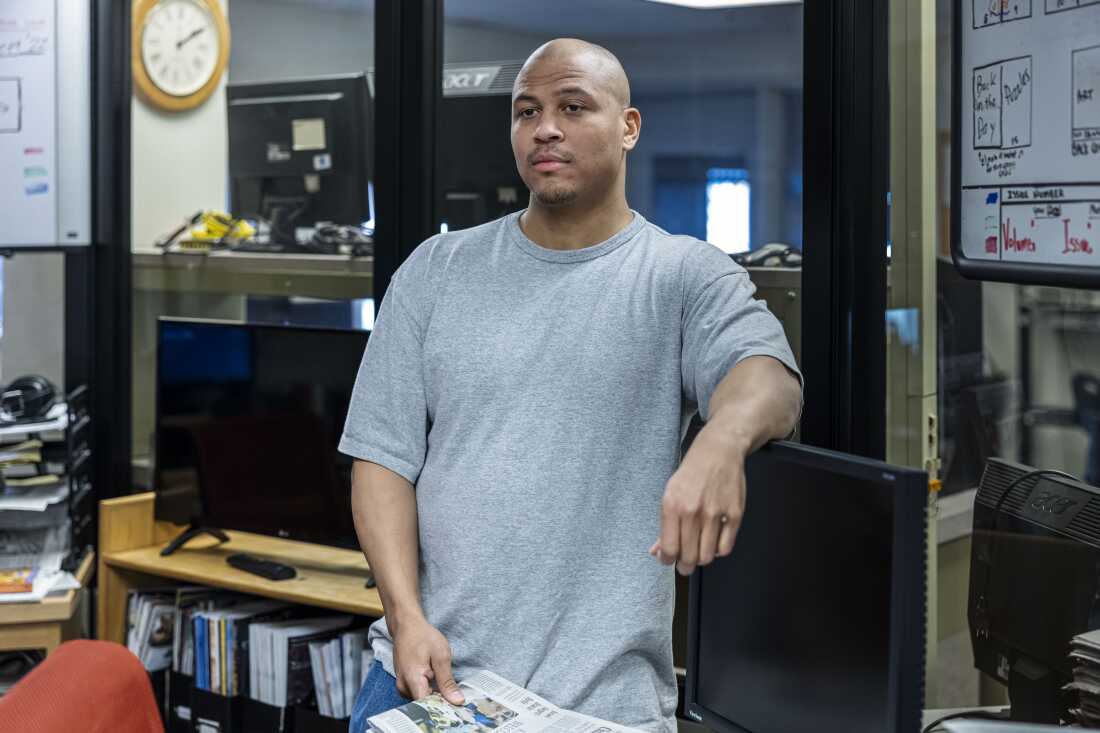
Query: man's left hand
(703, 504)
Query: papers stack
(40, 496)
(34, 515)
(1085, 656)
(51, 427)
(37, 554)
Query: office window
(227, 157)
(728, 209)
(702, 106)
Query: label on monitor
(277, 153)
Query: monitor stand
(190, 533)
(1034, 693)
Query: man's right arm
(383, 504)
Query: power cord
(170, 238)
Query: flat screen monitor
(247, 422)
(1034, 583)
(476, 174)
(300, 151)
(815, 621)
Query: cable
(329, 238)
(974, 714)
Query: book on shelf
(19, 580)
(233, 644)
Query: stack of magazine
(340, 665)
(232, 644)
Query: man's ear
(632, 124)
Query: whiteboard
(35, 150)
(1027, 140)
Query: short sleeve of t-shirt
(387, 421)
(723, 324)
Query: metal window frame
(100, 280)
(408, 81)
(846, 169)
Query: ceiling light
(716, 4)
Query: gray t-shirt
(536, 399)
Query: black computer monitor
(300, 151)
(815, 622)
(1034, 585)
(248, 418)
(476, 176)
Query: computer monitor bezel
(161, 510)
(908, 587)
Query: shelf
(328, 577)
(130, 542)
(330, 276)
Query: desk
(929, 715)
(47, 623)
(130, 540)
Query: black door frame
(846, 149)
(97, 277)
(408, 60)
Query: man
(518, 417)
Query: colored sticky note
(35, 189)
(35, 171)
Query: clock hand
(197, 31)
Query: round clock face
(180, 46)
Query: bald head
(572, 126)
(572, 56)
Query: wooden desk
(130, 541)
(46, 623)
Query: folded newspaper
(492, 703)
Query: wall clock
(180, 49)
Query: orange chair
(87, 686)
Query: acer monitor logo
(1050, 502)
(1054, 503)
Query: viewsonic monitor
(816, 620)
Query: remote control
(263, 568)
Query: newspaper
(493, 705)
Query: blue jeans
(377, 695)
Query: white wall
(34, 317)
(178, 165)
(274, 41)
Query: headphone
(27, 399)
